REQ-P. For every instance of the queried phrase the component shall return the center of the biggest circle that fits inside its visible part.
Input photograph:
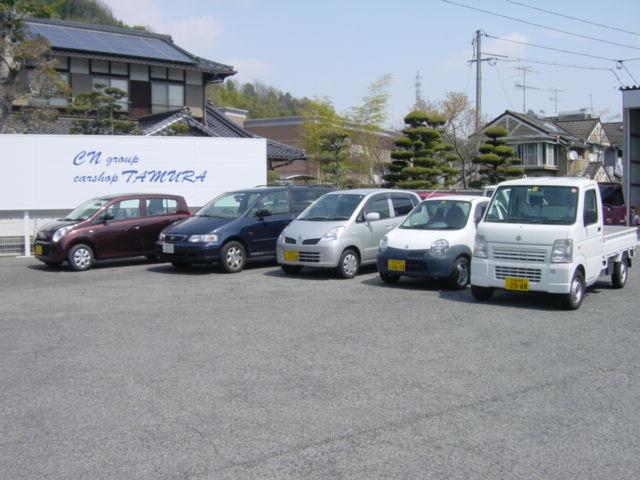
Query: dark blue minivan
(235, 226)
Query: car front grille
(532, 274)
(521, 255)
(175, 238)
(311, 257)
(416, 254)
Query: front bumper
(190, 252)
(46, 251)
(419, 263)
(326, 255)
(543, 277)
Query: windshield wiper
(208, 216)
(315, 219)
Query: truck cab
(547, 235)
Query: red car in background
(108, 227)
(613, 206)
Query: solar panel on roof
(107, 42)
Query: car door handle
(390, 226)
(599, 229)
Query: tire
(181, 265)
(389, 277)
(349, 264)
(53, 264)
(233, 257)
(482, 294)
(291, 269)
(620, 274)
(574, 298)
(80, 257)
(459, 278)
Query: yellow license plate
(291, 256)
(396, 265)
(518, 284)
(38, 249)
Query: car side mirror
(372, 216)
(261, 213)
(107, 216)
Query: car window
(401, 205)
(301, 198)
(378, 205)
(124, 209)
(590, 207)
(276, 202)
(161, 206)
(480, 209)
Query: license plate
(167, 248)
(292, 256)
(38, 250)
(518, 284)
(396, 265)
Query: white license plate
(167, 248)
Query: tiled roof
(592, 169)
(156, 123)
(579, 128)
(613, 130)
(631, 87)
(192, 62)
(545, 125)
(61, 126)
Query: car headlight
(439, 248)
(384, 244)
(61, 232)
(480, 247)
(161, 237)
(562, 251)
(333, 234)
(210, 237)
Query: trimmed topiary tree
(497, 160)
(420, 160)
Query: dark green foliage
(497, 161)
(90, 11)
(99, 113)
(260, 100)
(420, 159)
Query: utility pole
(419, 104)
(555, 98)
(478, 78)
(524, 70)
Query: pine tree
(421, 159)
(498, 161)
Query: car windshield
(87, 209)
(228, 205)
(438, 215)
(338, 206)
(548, 205)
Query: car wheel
(53, 264)
(389, 277)
(459, 278)
(620, 273)
(80, 257)
(233, 257)
(181, 265)
(481, 294)
(573, 299)
(349, 264)
(291, 269)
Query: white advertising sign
(42, 172)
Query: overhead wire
(579, 35)
(521, 4)
(504, 90)
(508, 58)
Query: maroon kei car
(108, 227)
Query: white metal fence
(13, 246)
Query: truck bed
(618, 239)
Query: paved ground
(134, 371)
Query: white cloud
(489, 46)
(249, 69)
(195, 34)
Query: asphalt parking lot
(135, 371)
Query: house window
(166, 96)
(115, 83)
(139, 72)
(194, 78)
(176, 74)
(99, 66)
(79, 65)
(550, 158)
(528, 152)
(52, 101)
(159, 72)
(61, 63)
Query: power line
(550, 48)
(579, 35)
(573, 18)
(504, 90)
(628, 72)
(508, 58)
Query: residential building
(573, 144)
(631, 144)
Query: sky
(336, 48)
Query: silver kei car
(342, 229)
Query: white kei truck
(547, 235)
